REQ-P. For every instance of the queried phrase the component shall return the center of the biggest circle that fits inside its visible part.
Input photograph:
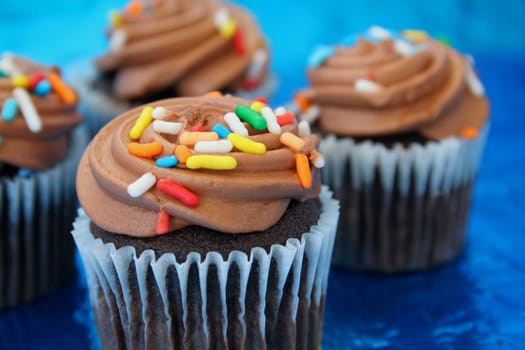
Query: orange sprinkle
(470, 132)
(135, 7)
(145, 150)
(163, 222)
(190, 138)
(182, 153)
(213, 94)
(302, 166)
(372, 75)
(302, 102)
(294, 142)
(64, 92)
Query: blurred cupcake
(206, 225)
(166, 48)
(39, 154)
(404, 120)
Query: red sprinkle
(238, 42)
(372, 75)
(34, 79)
(198, 128)
(250, 84)
(261, 99)
(286, 118)
(163, 222)
(179, 192)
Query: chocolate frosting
(425, 91)
(24, 148)
(251, 197)
(177, 44)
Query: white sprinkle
(379, 32)
(271, 120)
(141, 185)
(280, 111)
(235, 124)
(159, 112)
(405, 48)
(367, 86)
(258, 61)
(311, 114)
(31, 116)
(221, 17)
(117, 40)
(7, 64)
(164, 127)
(318, 161)
(221, 146)
(304, 128)
(473, 82)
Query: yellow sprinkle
(211, 162)
(145, 119)
(257, 106)
(21, 81)
(294, 142)
(415, 35)
(115, 17)
(246, 145)
(228, 29)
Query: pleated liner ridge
(402, 208)
(265, 300)
(36, 216)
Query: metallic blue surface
(477, 302)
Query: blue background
(477, 302)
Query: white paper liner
(402, 208)
(99, 108)
(36, 215)
(439, 165)
(192, 317)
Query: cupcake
(39, 154)
(204, 225)
(404, 119)
(166, 48)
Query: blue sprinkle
(167, 162)
(349, 40)
(25, 172)
(221, 130)
(320, 54)
(42, 88)
(9, 109)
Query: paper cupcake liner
(402, 208)
(262, 300)
(98, 108)
(36, 216)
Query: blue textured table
(478, 302)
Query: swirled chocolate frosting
(249, 196)
(37, 147)
(391, 85)
(190, 47)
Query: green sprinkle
(255, 119)
(2, 74)
(444, 40)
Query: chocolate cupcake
(39, 155)
(169, 48)
(206, 227)
(404, 119)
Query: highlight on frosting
(224, 163)
(190, 47)
(384, 82)
(37, 113)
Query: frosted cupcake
(205, 224)
(39, 154)
(168, 48)
(404, 120)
